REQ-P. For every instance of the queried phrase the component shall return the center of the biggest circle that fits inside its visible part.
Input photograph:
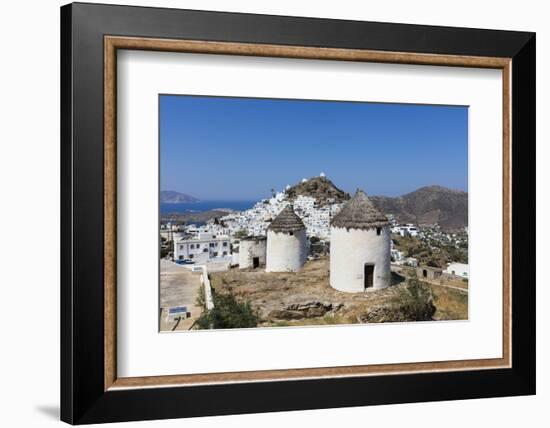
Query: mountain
(320, 188)
(171, 197)
(427, 205)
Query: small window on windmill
(378, 230)
(291, 233)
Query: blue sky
(217, 148)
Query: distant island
(172, 197)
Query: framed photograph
(273, 213)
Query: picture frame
(91, 391)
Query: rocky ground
(306, 298)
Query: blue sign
(178, 310)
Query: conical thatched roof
(254, 238)
(359, 213)
(286, 221)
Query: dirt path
(464, 290)
(178, 287)
(410, 272)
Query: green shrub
(415, 301)
(239, 234)
(166, 249)
(227, 313)
(201, 300)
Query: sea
(202, 206)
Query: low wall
(219, 266)
(208, 300)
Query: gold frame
(113, 43)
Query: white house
(458, 269)
(411, 261)
(397, 256)
(359, 247)
(286, 243)
(203, 248)
(405, 230)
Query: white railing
(208, 300)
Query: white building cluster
(256, 220)
(434, 237)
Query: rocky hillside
(427, 205)
(320, 188)
(171, 197)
